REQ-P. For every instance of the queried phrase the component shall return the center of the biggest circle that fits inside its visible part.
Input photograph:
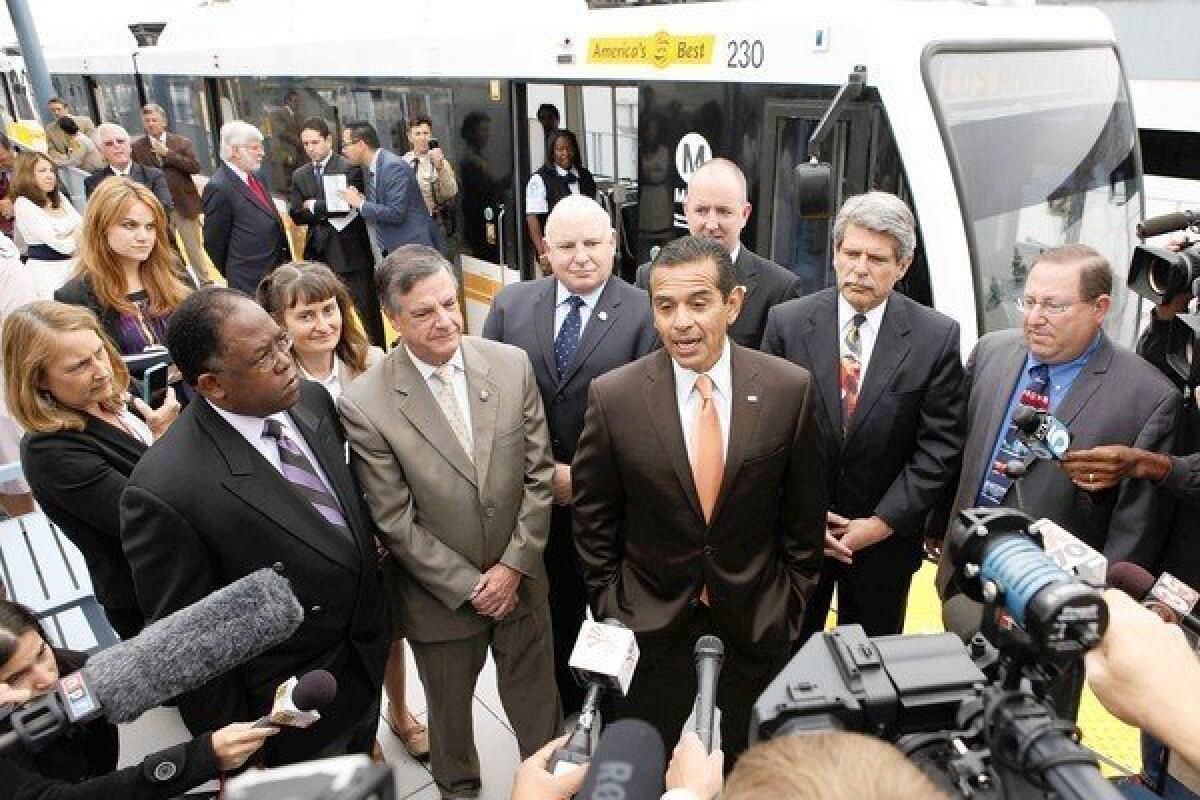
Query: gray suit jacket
(767, 284)
(619, 330)
(1118, 398)
(445, 519)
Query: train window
(74, 89)
(1057, 167)
(117, 101)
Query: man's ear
(209, 385)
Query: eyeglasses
(1051, 307)
(281, 347)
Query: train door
(604, 119)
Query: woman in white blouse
(45, 220)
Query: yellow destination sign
(661, 50)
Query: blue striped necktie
(303, 476)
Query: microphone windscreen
(1025, 418)
(709, 645)
(1131, 579)
(314, 690)
(629, 762)
(184, 651)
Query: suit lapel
(419, 406)
(743, 423)
(244, 188)
(658, 392)
(821, 339)
(1086, 383)
(992, 410)
(484, 400)
(746, 268)
(543, 318)
(600, 322)
(260, 486)
(114, 437)
(891, 348)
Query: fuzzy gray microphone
(189, 648)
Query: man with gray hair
(175, 155)
(450, 445)
(113, 142)
(891, 384)
(243, 232)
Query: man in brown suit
(451, 447)
(176, 157)
(699, 492)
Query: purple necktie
(301, 473)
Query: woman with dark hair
(309, 302)
(80, 764)
(67, 386)
(561, 175)
(45, 221)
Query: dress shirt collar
(427, 370)
(562, 173)
(590, 299)
(721, 375)
(846, 313)
(121, 172)
(251, 428)
(374, 167)
(333, 379)
(1074, 364)
(737, 251)
(241, 173)
(324, 162)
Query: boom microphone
(1045, 436)
(710, 652)
(1169, 597)
(629, 763)
(177, 654)
(1166, 223)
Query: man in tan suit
(58, 142)
(450, 443)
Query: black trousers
(873, 595)
(361, 285)
(568, 601)
(664, 685)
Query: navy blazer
(244, 238)
(396, 207)
(619, 330)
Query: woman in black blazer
(82, 763)
(68, 388)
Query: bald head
(716, 206)
(581, 244)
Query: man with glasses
(243, 232)
(1062, 362)
(254, 474)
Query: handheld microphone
(1046, 437)
(1169, 597)
(604, 657)
(709, 652)
(177, 654)
(629, 763)
(298, 703)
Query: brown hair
(111, 200)
(30, 338)
(1095, 274)
(311, 282)
(827, 766)
(25, 185)
(420, 119)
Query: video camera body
(974, 717)
(1160, 275)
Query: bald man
(575, 324)
(717, 208)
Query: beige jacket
(445, 518)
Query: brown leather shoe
(414, 736)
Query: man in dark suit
(243, 233)
(113, 141)
(391, 203)
(254, 474)
(716, 208)
(343, 246)
(1062, 362)
(576, 324)
(889, 376)
(699, 492)
(175, 155)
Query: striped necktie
(303, 476)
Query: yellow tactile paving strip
(1101, 731)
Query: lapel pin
(484, 395)
(753, 398)
(603, 315)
